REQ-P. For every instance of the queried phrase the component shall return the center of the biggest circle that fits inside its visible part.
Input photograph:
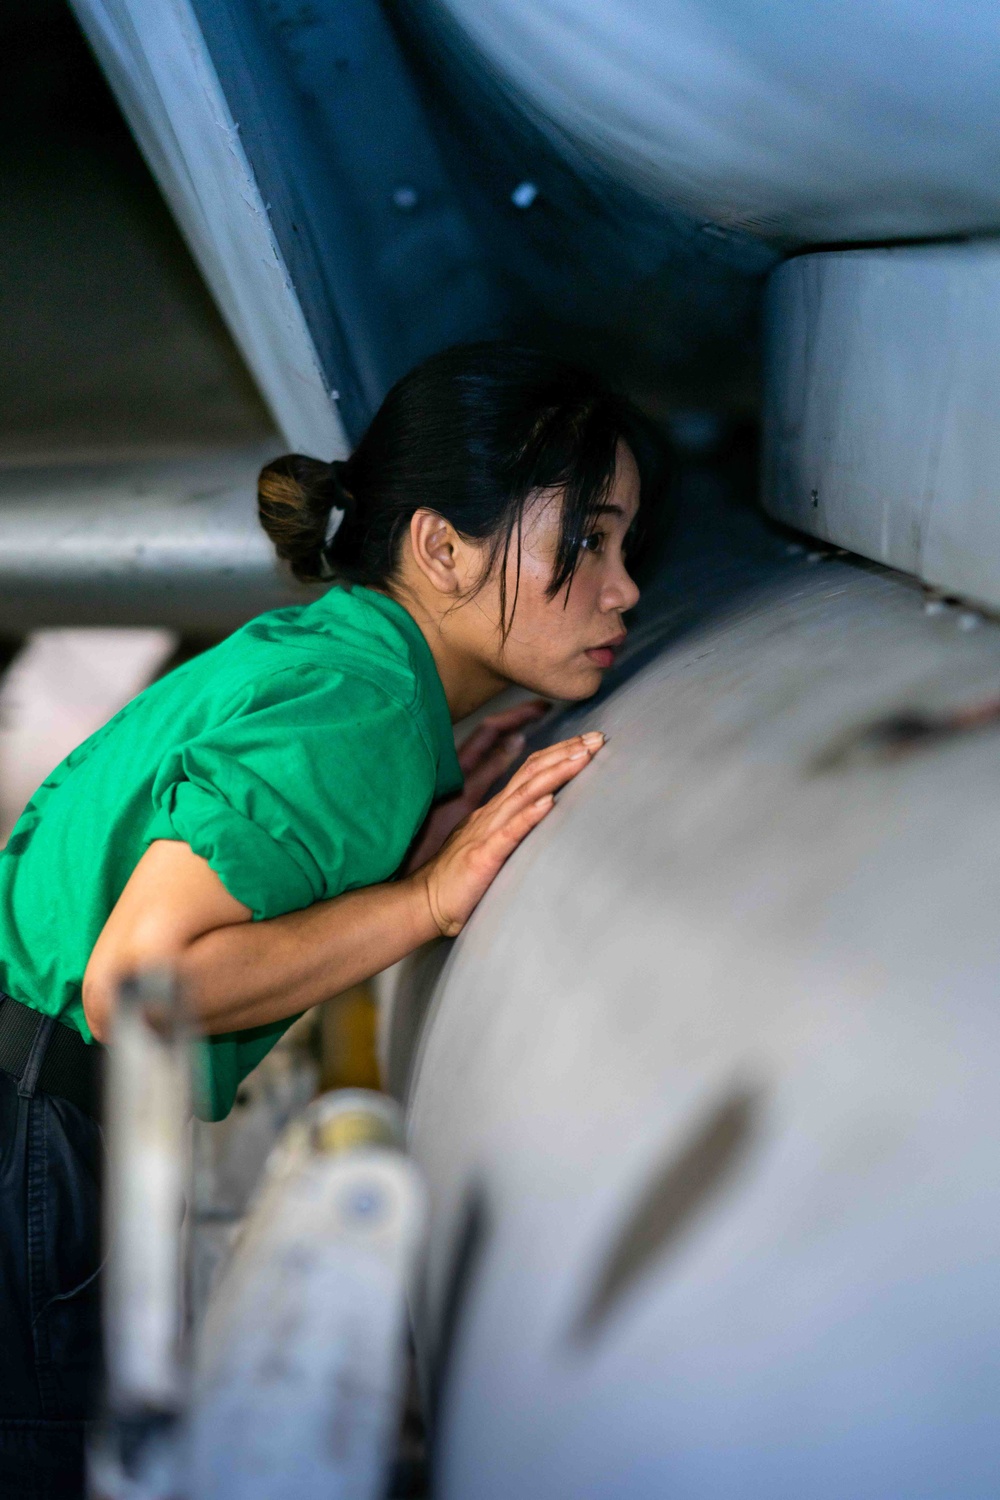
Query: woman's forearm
(175, 910)
(254, 972)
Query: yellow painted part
(351, 1130)
(348, 1057)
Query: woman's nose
(632, 590)
(622, 593)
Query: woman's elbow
(114, 960)
(97, 1005)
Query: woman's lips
(604, 656)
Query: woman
(244, 817)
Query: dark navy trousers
(50, 1168)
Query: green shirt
(299, 758)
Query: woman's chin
(577, 686)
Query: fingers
(546, 782)
(580, 748)
(469, 862)
(491, 767)
(456, 882)
(480, 742)
(502, 842)
(496, 727)
(591, 742)
(539, 778)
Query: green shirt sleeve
(314, 785)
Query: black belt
(71, 1067)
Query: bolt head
(365, 1201)
(405, 198)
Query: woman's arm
(239, 973)
(491, 749)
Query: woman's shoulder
(341, 645)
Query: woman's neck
(468, 682)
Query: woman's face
(561, 647)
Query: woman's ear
(438, 551)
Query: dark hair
(472, 433)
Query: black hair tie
(342, 510)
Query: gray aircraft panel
(705, 1096)
(880, 416)
(805, 124)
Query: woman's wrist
(424, 917)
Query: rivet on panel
(405, 198)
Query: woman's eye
(592, 543)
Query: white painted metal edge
(156, 61)
(882, 424)
(147, 1105)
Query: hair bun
(298, 499)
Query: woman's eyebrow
(616, 510)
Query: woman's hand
(238, 973)
(457, 878)
(491, 748)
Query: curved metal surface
(173, 542)
(883, 367)
(706, 1098)
(803, 124)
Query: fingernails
(544, 801)
(591, 741)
